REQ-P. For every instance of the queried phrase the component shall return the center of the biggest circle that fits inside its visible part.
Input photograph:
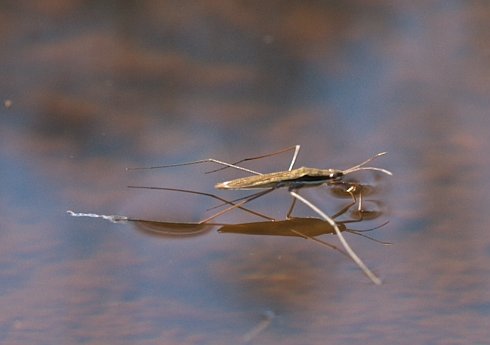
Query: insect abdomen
(252, 182)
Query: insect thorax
(313, 173)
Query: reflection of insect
(308, 228)
(293, 179)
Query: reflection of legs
(323, 243)
(293, 203)
(240, 204)
(361, 213)
(233, 205)
(352, 190)
(361, 233)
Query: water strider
(292, 179)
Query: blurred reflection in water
(307, 228)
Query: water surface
(89, 89)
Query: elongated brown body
(304, 227)
(293, 179)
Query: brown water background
(92, 87)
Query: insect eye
(336, 175)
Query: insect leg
(346, 246)
(207, 160)
(293, 203)
(295, 155)
(351, 190)
(228, 202)
(295, 147)
(233, 205)
(243, 202)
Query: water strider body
(293, 179)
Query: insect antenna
(362, 166)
